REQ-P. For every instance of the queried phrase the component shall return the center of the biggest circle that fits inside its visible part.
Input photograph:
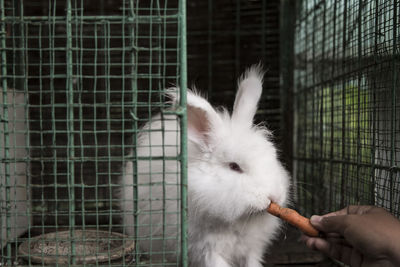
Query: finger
(335, 224)
(351, 209)
(343, 211)
(304, 238)
(338, 240)
(336, 250)
(312, 241)
(321, 244)
(354, 209)
(332, 235)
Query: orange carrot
(294, 218)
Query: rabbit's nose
(269, 200)
(260, 199)
(276, 199)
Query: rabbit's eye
(235, 167)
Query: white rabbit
(233, 175)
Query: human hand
(358, 236)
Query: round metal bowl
(91, 246)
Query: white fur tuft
(172, 95)
(255, 71)
(248, 95)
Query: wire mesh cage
(79, 79)
(347, 104)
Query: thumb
(330, 224)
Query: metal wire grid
(347, 106)
(78, 80)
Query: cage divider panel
(79, 79)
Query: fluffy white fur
(228, 225)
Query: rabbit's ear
(201, 119)
(248, 95)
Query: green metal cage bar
(5, 128)
(70, 132)
(183, 127)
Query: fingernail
(315, 219)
